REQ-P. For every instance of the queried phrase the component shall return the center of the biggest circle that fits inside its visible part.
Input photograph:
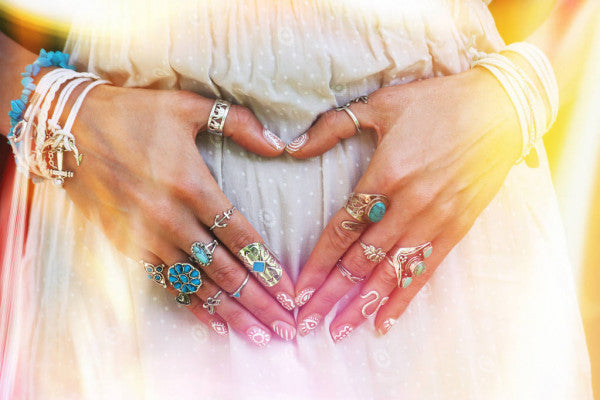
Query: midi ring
(347, 274)
(155, 272)
(202, 253)
(346, 108)
(238, 292)
(221, 221)
(365, 208)
(374, 254)
(260, 259)
(212, 302)
(186, 279)
(218, 114)
(408, 262)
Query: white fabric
(499, 319)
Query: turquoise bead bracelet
(45, 59)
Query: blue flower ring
(186, 279)
(155, 272)
(365, 209)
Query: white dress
(499, 320)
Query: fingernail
(258, 336)
(286, 301)
(308, 324)
(342, 332)
(386, 326)
(273, 139)
(297, 143)
(220, 328)
(304, 296)
(284, 330)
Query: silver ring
(218, 114)
(202, 254)
(221, 221)
(212, 302)
(186, 279)
(374, 254)
(347, 274)
(155, 272)
(346, 108)
(238, 293)
(262, 261)
(408, 262)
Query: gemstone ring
(408, 262)
(202, 253)
(186, 279)
(365, 208)
(259, 259)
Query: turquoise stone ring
(202, 254)
(365, 208)
(186, 279)
(408, 263)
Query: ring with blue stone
(408, 262)
(365, 208)
(202, 253)
(186, 279)
(259, 259)
(238, 293)
(155, 272)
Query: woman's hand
(144, 182)
(445, 146)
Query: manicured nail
(273, 139)
(220, 328)
(341, 332)
(308, 324)
(284, 330)
(258, 336)
(304, 296)
(297, 143)
(286, 301)
(386, 326)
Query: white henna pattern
(304, 296)
(367, 304)
(309, 324)
(297, 143)
(342, 333)
(258, 336)
(220, 328)
(273, 139)
(286, 301)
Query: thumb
(327, 131)
(241, 125)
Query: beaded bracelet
(45, 59)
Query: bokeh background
(573, 31)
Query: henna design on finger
(304, 296)
(220, 328)
(258, 336)
(308, 324)
(342, 333)
(367, 304)
(286, 301)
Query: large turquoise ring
(186, 279)
(202, 253)
(365, 208)
(408, 263)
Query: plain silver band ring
(347, 274)
(353, 117)
(237, 293)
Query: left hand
(445, 146)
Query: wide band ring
(218, 114)
(221, 221)
(366, 208)
(408, 262)
(202, 253)
(212, 302)
(260, 259)
(155, 272)
(347, 274)
(186, 279)
(238, 292)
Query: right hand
(143, 181)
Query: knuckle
(260, 307)
(241, 239)
(226, 276)
(356, 263)
(241, 120)
(341, 238)
(388, 276)
(235, 316)
(327, 299)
